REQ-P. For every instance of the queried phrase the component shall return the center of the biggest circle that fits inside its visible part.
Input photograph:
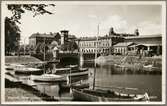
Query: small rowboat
(106, 95)
(48, 78)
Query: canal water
(108, 76)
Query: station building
(147, 45)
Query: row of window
(120, 50)
(94, 50)
(123, 50)
(93, 44)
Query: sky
(82, 20)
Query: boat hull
(46, 78)
(79, 95)
(29, 72)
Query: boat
(68, 70)
(48, 78)
(13, 66)
(59, 71)
(82, 69)
(106, 95)
(28, 71)
(66, 87)
(73, 67)
(8, 67)
(119, 65)
(149, 67)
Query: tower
(111, 31)
(64, 36)
(136, 32)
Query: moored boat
(8, 67)
(13, 66)
(48, 78)
(82, 69)
(76, 86)
(73, 67)
(106, 95)
(28, 71)
(61, 70)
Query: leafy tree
(12, 31)
(69, 46)
(12, 36)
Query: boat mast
(95, 56)
(44, 55)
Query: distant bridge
(66, 57)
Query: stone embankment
(131, 61)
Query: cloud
(118, 23)
(149, 27)
(92, 16)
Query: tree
(69, 46)
(12, 36)
(12, 31)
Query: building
(103, 45)
(122, 43)
(64, 36)
(151, 44)
(124, 47)
(38, 38)
(64, 40)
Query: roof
(95, 38)
(144, 36)
(42, 35)
(149, 44)
(124, 44)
